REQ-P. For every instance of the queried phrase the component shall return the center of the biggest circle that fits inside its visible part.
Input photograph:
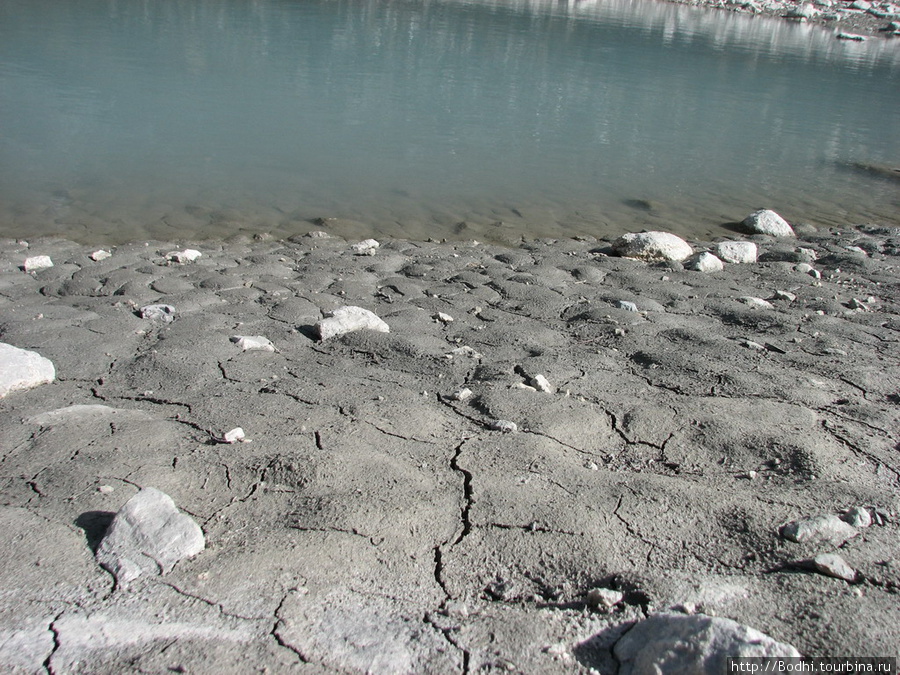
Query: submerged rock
(696, 644)
(347, 319)
(148, 535)
(768, 222)
(653, 246)
(21, 369)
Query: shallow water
(176, 119)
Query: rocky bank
(536, 459)
(849, 19)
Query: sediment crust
(539, 422)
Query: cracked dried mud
(373, 522)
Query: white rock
(443, 318)
(347, 319)
(804, 11)
(148, 535)
(826, 528)
(855, 37)
(97, 256)
(164, 313)
(756, 303)
(861, 5)
(604, 598)
(461, 394)
(784, 295)
(697, 644)
(188, 255)
(833, 565)
(627, 305)
(37, 262)
(652, 246)
(737, 251)
(752, 344)
(806, 268)
(704, 262)
(858, 516)
(21, 369)
(253, 343)
(505, 426)
(768, 222)
(235, 435)
(541, 383)
(465, 350)
(365, 247)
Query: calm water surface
(184, 119)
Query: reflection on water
(122, 119)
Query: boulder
(148, 535)
(653, 246)
(347, 319)
(768, 222)
(696, 644)
(21, 369)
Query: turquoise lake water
(184, 119)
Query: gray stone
(604, 599)
(21, 369)
(827, 528)
(148, 535)
(768, 222)
(858, 516)
(165, 313)
(347, 319)
(505, 426)
(697, 644)
(737, 251)
(652, 246)
(832, 565)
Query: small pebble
(604, 599)
(38, 262)
(505, 426)
(833, 565)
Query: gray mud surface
(372, 523)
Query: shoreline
(551, 444)
(851, 19)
